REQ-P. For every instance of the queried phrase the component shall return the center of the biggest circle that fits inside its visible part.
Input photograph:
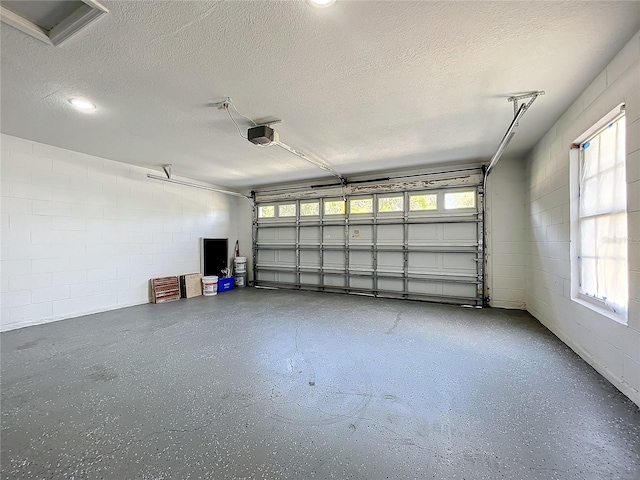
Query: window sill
(604, 311)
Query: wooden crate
(190, 285)
(165, 289)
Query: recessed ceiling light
(322, 3)
(82, 104)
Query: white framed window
(266, 211)
(390, 204)
(334, 207)
(600, 277)
(310, 209)
(287, 210)
(459, 200)
(423, 202)
(358, 206)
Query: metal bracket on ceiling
(517, 98)
(167, 170)
(269, 123)
(223, 104)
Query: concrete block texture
(610, 347)
(74, 224)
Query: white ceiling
(365, 86)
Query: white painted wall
(82, 234)
(506, 235)
(610, 347)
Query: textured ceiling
(365, 86)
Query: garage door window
(310, 209)
(390, 204)
(334, 207)
(287, 210)
(361, 206)
(423, 202)
(266, 211)
(459, 200)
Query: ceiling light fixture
(322, 3)
(82, 104)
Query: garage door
(420, 238)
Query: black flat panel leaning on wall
(214, 256)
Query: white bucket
(241, 265)
(241, 280)
(210, 285)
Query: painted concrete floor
(297, 385)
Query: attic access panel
(53, 21)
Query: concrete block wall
(506, 238)
(610, 347)
(82, 234)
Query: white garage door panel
(334, 235)
(360, 235)
(266, 276)
(277, 257)
(430, 288)
(424, 262)
(309, 235)
(424, 234)
(334, 280)
(309, 258)
(460, 231)
(284, 235)
(390, 234)
(363, 283)
(391, 261)
(267, 256)
(391, 284)
(459, 263)
(458, 289)
(309, 279)
(361, 261)
(424, 254)
(283, 277)
(333, 259)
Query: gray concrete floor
(298, 385)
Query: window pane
(287, 210)
(588, 237)
(361, 205)
(423, 202)
(603, 217)
(589, 201)
(267, 211)
(590, 157)
(588, 276)
(607, 151)
(335, 207)
(391, 204)
(309, 209)
(456, 200)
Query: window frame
(267, 205)
(309, 217)
(332, 200)
(594, 303)
(361, 214)
(460, 209)
(393, 212)
(436, 194)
